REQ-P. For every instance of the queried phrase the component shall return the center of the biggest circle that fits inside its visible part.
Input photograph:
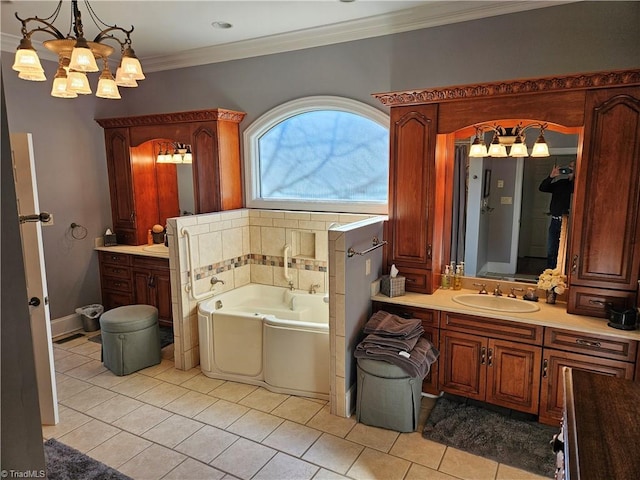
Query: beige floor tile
(71, 344)
(201, 383)
(283, 466)
(292, 438)
(173, 430)
(70, 388)
(467, 466)
(324, 474)
(59, 353)
(96, 356)
(119, 449)
(142, 419)
(374, 437)
(190, 404)
(418, 472)
(506, 472)
(193, 469)
(221, 414)
(154, 370)
(325, 421)
(207, 443)
(152, 464)
(333, 453)
(86, 348)
(72, 360)
(87, 399)
(243, 459)
(114, 408)
(415, 448)
(264, 400)
(68, 420)
(255, 425)
(297, 409)
(107, 379)
(162, 394)
(177, 377)
(232, 391)
(87, 370)
(168, 351)
(372, 464)
(135, 385)
(89, 435)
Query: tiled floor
(163, 423)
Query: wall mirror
(500, 218)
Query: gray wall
(69, 147)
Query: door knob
(34, 301)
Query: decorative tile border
(258, 259)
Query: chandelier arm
(105, 35)
(50, 29)
(96, 19)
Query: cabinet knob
(429, 251)
(545, 368)
(483, 354)
(490, 360)
(574, 264)
(588, 343)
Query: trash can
(90, 316)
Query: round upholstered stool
(130, 338)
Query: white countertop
(136, 250)
(549, 315)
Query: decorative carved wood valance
(515, 87)
(177, 117)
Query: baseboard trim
(65, 325)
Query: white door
(33, 256)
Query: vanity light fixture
(179, 153)
(512, 137)
(77, 55)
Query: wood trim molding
(177, 117)
(515, 87)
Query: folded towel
(417, 364)
(388, 325)
(399, 343)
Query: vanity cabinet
(605, 249)
(415, 193)
(430, 322)
(144, 193)
(580, 351)
(491, 360)
(128, 279)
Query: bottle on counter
(149, 237)
(457, 279)
(445, 282)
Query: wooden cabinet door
(605, 248)
(430, 382)
(552, 392)
(463, 360)
(120, 182)
(162, 291)
(513, 375)
(412, 189)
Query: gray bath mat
(66, 463)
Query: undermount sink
(497, 304)
(157, 248)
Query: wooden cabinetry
(129, 279)
(481, 366)
(144, 193)
(593, 353)
(605, 251)
(416, 188)
(430, 322)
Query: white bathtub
(268, 336)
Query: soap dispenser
(446, 280)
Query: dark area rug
(66, 463)
(519, 443)
(166, 337)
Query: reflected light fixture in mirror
(179, 153)
(512, 137)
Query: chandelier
(170, 152)
(77, 55)
(513, 137)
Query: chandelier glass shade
(170, 152)
(77, 56)
(513, 137)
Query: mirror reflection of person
(560, 186)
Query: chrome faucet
(312, 288)
(291, 287)
(512, 294)
(497, 292)
(483, 288)
(215, 280)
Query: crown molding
(216, 115)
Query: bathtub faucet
(215, 280)
(312, 288)
(291, 287)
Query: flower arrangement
(552, 281)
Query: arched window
(320, 154)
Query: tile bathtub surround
(157, 424)
(240, 247)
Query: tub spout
(215, 280)
(312, 288)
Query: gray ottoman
(130, 338)
(387, 396)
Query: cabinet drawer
(112, 299)
(430, 318)
(117, 271)
(491, 327)
(113, 258)
(589, 301)
(114, 283)
(590, 344)
(151, 262)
